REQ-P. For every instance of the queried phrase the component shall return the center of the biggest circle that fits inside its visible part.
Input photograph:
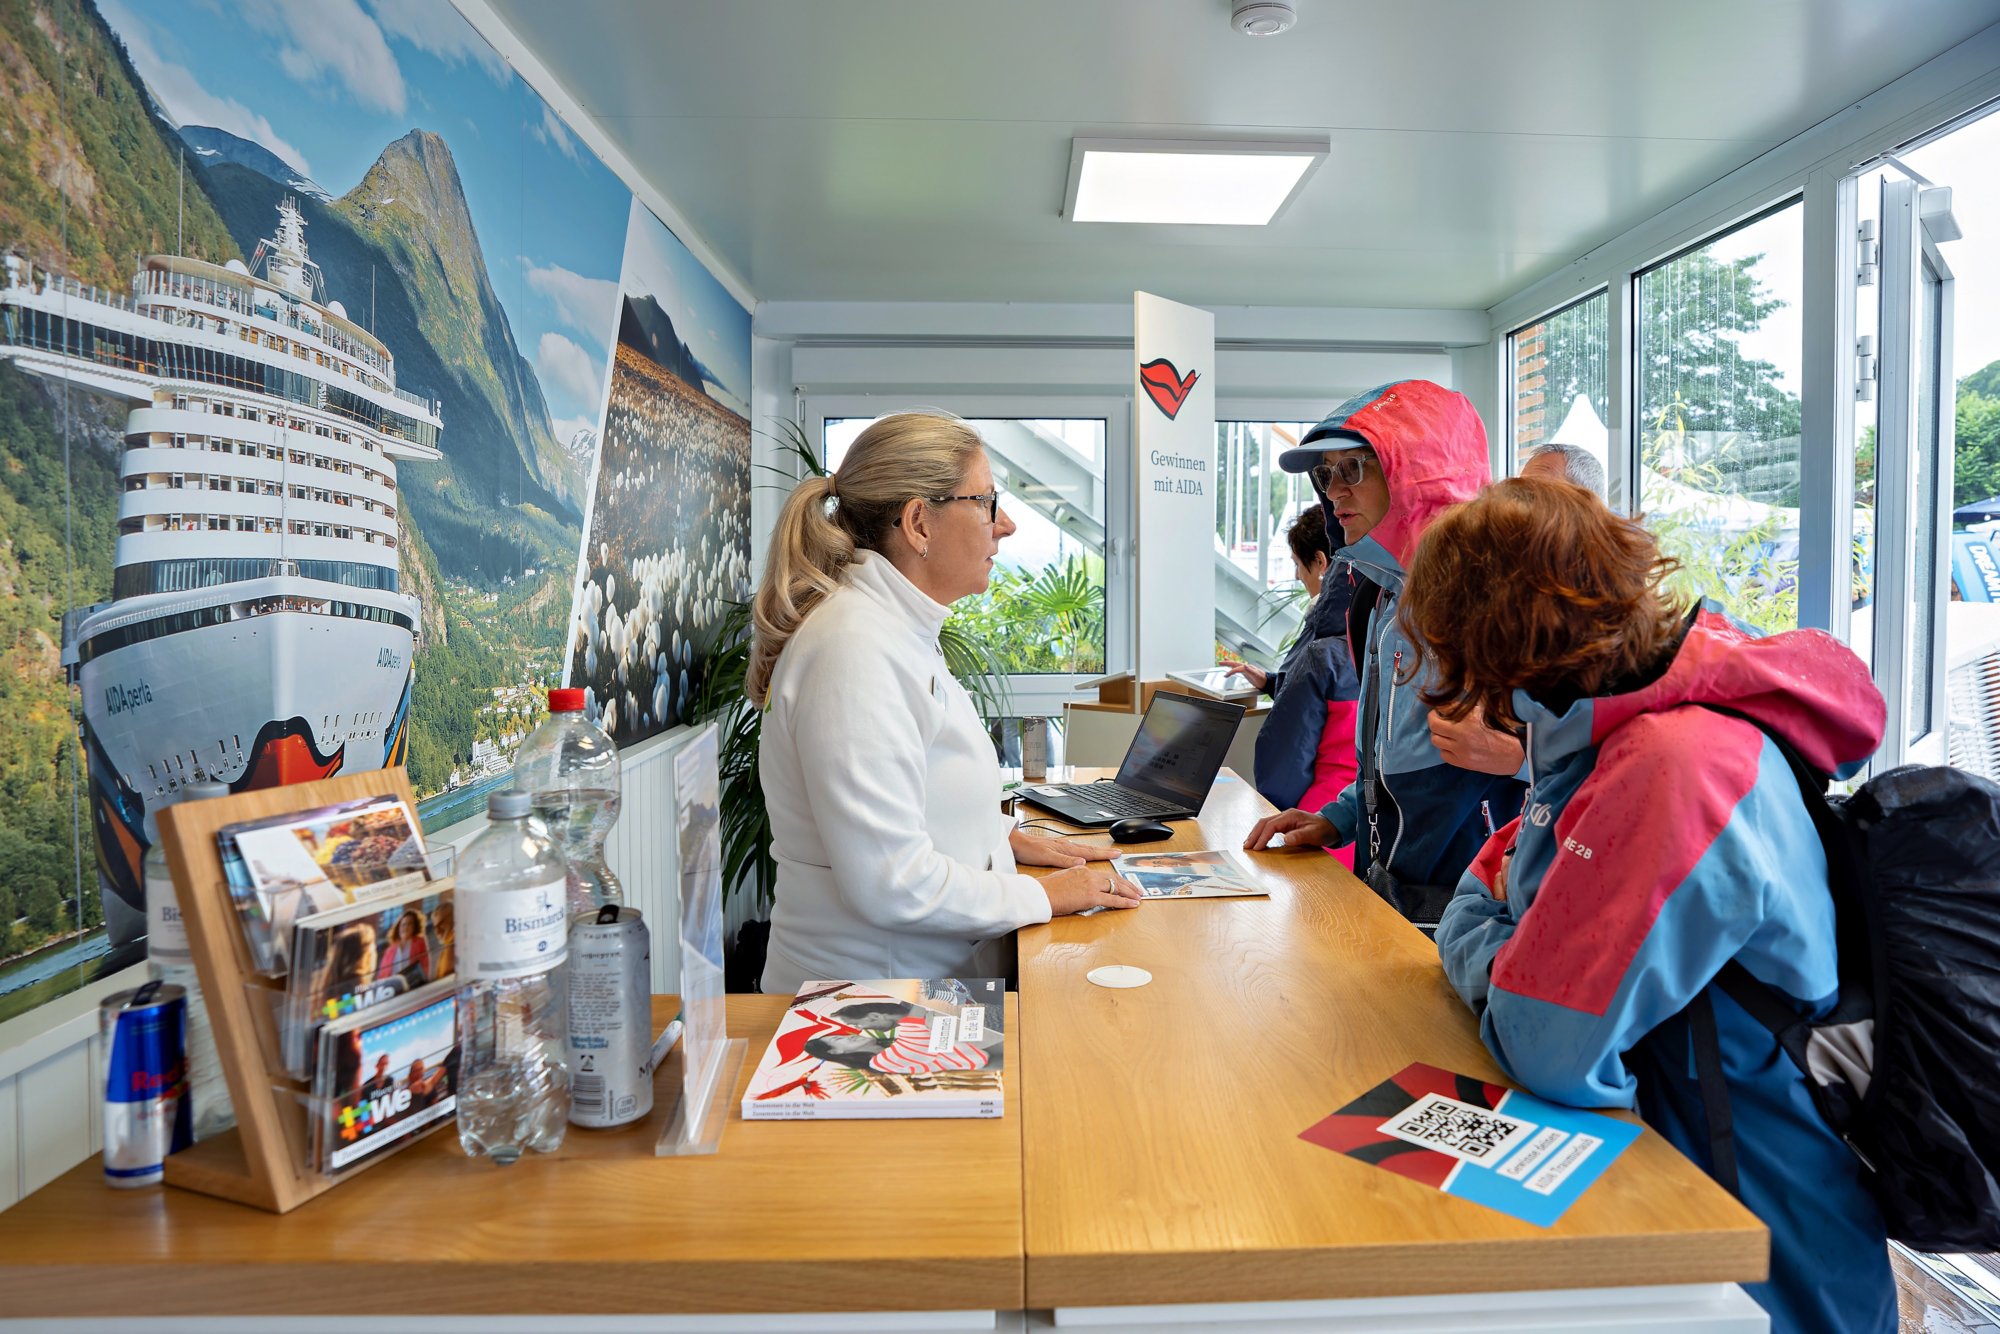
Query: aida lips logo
(1166, 386)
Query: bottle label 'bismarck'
(513, 932)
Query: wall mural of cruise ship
(255, 634)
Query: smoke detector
(1263, 18)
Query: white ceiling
(917, 150)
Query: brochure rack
(264, 1161)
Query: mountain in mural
(649, 331)
(89, 177)
(215, 146)
(400, 252)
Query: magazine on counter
(855, 1050)
(1216, 873)
(385, 1074)
(285, 867)
(362, 955)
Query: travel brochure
(1216, 873)
(285, 867)
(362, 955)
(385, 1074)
(856, 1050)
(1482, 1142)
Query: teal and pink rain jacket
(1432, 817)
(1661, 840)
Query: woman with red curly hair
(1660, 841)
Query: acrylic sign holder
(263, 1162)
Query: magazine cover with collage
(849, 1050)
(287, 867)
(357, 957)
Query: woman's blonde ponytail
(808, 552)
(905, 456)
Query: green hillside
(1976, 449)
(77, 115)
(38, 881)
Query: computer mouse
(1139, 831)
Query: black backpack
(1913, 863)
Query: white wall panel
(54, 1110)
(10, 1142)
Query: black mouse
(1139, 831)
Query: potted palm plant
(747, 865)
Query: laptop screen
(1179, 747)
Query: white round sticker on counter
(1119, 975)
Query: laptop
(1167, 772)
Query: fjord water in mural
(303, 363)
(669, 532)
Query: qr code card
(1470, 1134)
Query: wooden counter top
(790, 1216)
(1162, 1123)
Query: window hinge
(1864, 368)
(1868, 254)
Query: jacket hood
(1432, 448)
(1804, 685)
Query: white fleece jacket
(884, 795)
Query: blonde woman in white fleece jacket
(894, 859)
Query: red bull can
(147, 1114)
(610, 1017)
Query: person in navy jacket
(1661, 840)
(1305, 748)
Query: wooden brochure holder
(262, 1161)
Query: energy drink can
(147, 1114)
(1034, 749)
(610, 1017)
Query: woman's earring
(925, 553)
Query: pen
(668, 1037)
(1486, 814)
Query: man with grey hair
(1572, 463)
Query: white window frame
(1034, 695)
(1248, 408)
(1506, 464)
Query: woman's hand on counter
(1302, 829)
(1032, 849)
(1081, 888)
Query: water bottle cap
(204, 791)
(566, 700)
(509, 805)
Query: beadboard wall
(49, 1083)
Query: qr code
(1468, 1133)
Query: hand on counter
(1250, 672)
(1032, 849)
(1085, 888)
(1475, 744)
(1302, 829)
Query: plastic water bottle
(513, 938)
(169, 958)
(570, 766)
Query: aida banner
(1173, 437)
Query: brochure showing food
(1216, 873)
(285, 867)
(855, 1050)
(385, 1074)
(1481, 1142)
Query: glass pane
(1924, 473)
(1044, 611)
(1258, 598)
(1867, 324)
(1719, 360)
(1562, 377)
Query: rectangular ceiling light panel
(1187, 181)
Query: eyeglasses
(990, 498)
(1349, 469)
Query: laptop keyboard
(1119, 801)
